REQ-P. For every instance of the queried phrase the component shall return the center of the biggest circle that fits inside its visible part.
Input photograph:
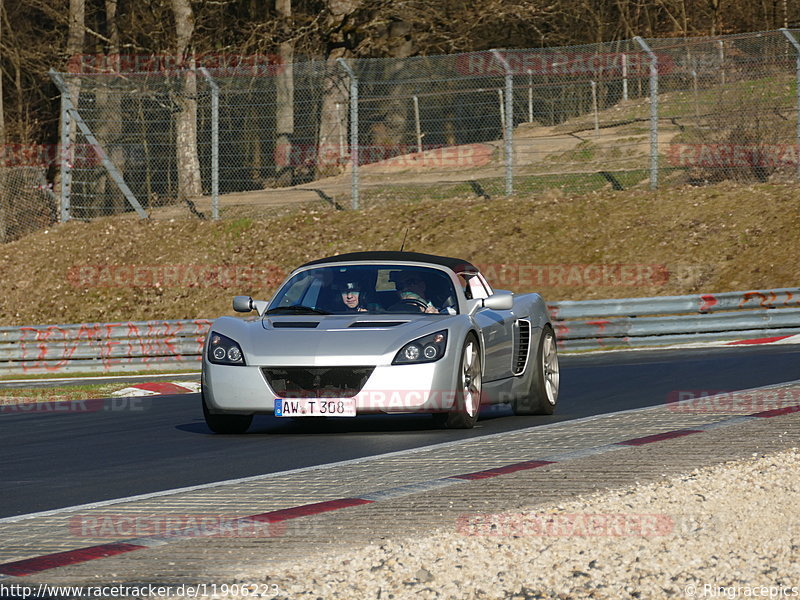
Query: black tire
(543, 395)
(227, 424)
(467, 403)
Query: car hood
(334, 339)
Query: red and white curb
(765, 341)
(779, 339)
(158, 388)
(39, 564)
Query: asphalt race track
(114, 448)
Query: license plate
(315, 407)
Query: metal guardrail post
(354, 157)
(508, 133)
(101, 153)
(796, 46)
(66, 164)
(214, 143)
(653, 112)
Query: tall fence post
(354, 158)
(214, 143)
(65, 156)
(653, 112)
(624, 76)
(110, 167)
(796, 45)
(508, 133)
(417, 125)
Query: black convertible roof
(454, 264)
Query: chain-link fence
(27, 202)
(251, 136)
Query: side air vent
(522, 348)
(295, 324)
(377, 324)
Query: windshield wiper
(297, 309)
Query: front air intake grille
(522, 347)
(317, 382)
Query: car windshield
(371, 289)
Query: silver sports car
(380, 332)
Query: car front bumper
(425, 387)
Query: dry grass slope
(710, 239)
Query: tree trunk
(188, 162)
(714, 6)
(2, 113)
(109, 128)
(75, 35)
(334, 109)
(284, 100)
(333, 118)
(391, 135)
(3, 153)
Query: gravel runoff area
(727, 531)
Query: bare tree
(335, 88)
(2, 144)
(75, 38)
(188, 162)
(109, 106)
(284, 97)
(714, 6)
(2, 112)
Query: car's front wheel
(543, 395)
(467, 404)
(222, 423)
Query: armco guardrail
(102, 347)
(580, 325)
(632, 322)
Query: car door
(497, 332)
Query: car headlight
(224, 351)
(425, 349)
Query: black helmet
(348, 285)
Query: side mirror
(499, 301)
(242, 304)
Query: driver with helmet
(351, 295)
